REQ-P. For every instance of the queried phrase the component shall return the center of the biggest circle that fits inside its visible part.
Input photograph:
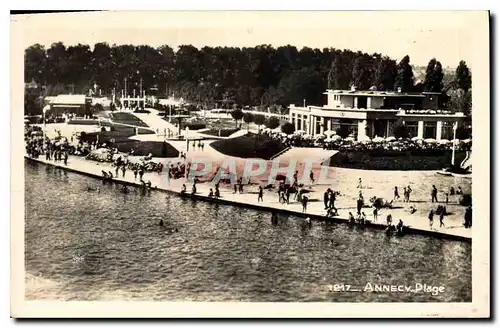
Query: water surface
(83, 245)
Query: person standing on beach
(333, 198)
(135, 173)
(326, 197)
(287, 194)
(116, 170)
(408, 193)
(202, 146)
(260, 198)
(396, 193)
(217, 191)
(65, 158)
(240, 185)
(281, 190)
(141, 173)
(304, 203)
(123, 171)
(375, 213)
(431, 218)
(434, 193)
(441, 217)
(359, 204)
(360, 183)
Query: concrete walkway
(417, 222)
(156, 122)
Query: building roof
(371, 93)
(68, 100)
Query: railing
(281, 153)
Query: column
(420, 129)
(355, 102)
(389, 129)
(313, 125)
(329, 124)
(297, 120)
(361, 129)
(323, 124)
(439, 129)
(369, 102)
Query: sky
(446, 36)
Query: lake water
(83, 245)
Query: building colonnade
(362, 128)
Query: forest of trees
(255, 76)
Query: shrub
(401, 131)
(196, 126)
(248, 118)
(259, 119)
(237, 115)
(287, 128)
(343, 131)
(273, 123)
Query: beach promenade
(417, 222)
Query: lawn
(249, 146)
(396, 161)
(119, 133)
(127, 118)
(83, 122)
(144, 148)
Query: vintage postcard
(250, 164)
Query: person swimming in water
(351, 218)
(160, 223)
(274, 218)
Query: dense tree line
(259, 76)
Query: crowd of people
(37, 144)
(59, 148)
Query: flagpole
(44, 124)
(453, 147)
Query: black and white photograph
(250, 164)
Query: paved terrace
(347, 184)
